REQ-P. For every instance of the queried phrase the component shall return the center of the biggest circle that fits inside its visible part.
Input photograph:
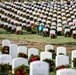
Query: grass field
(38, 41)
(60, 40)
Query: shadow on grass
(67, 43)
(2, 31)
(71, 43)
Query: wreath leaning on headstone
(51, 64)
(4, 69)
(22, 70)
(23, 55)
(34, 58)
(74, 62)
(5, 50)
(53, 53)
(62, 67)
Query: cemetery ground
(38, 41)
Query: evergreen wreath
(22, 55)
(51, 64)
(22, 70)
(34, 58)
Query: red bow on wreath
(52, 35)
(34, 59)
(20, 72)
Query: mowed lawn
(60, 40)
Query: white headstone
(22, 49)
(45, 29)
(18, 28)
(61, 50)
(39, 68)
(52, 31)
(62, 60)
(66, 72)
(74, 31)
(45, 55)
(33, 51)
(66, 30)
(47, 47)
(13, 50)
(5, 42)
(18, 62)
(5, 59)
(59, 29)
(74, 21)
(73, 56)
(13, 27)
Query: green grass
(60, 40)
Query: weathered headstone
(66, 72)
(22, 49)
(18, 62)
(62, 60)
(39, 68)
(13, 50)
(45, 55)
(5, 59)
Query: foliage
(74, 62)
(51, 64)
(67, 34)
(62, 67)
(34, 58)
(22, 55)
(53, 53)
(34, 29)
(8, 28)
(5, 50)
(74, 36)
(28, 28)
(61, 53)
(13, 30)
(4, 68)
(53, 36)
(22, 70)
(19, 32)
(45, 33)
(60, 33)
(5, 26)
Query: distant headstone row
(58, 19)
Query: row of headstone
(37, 67)
(14, 50)
(61, 55)
(59, 28)
(60, 58)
